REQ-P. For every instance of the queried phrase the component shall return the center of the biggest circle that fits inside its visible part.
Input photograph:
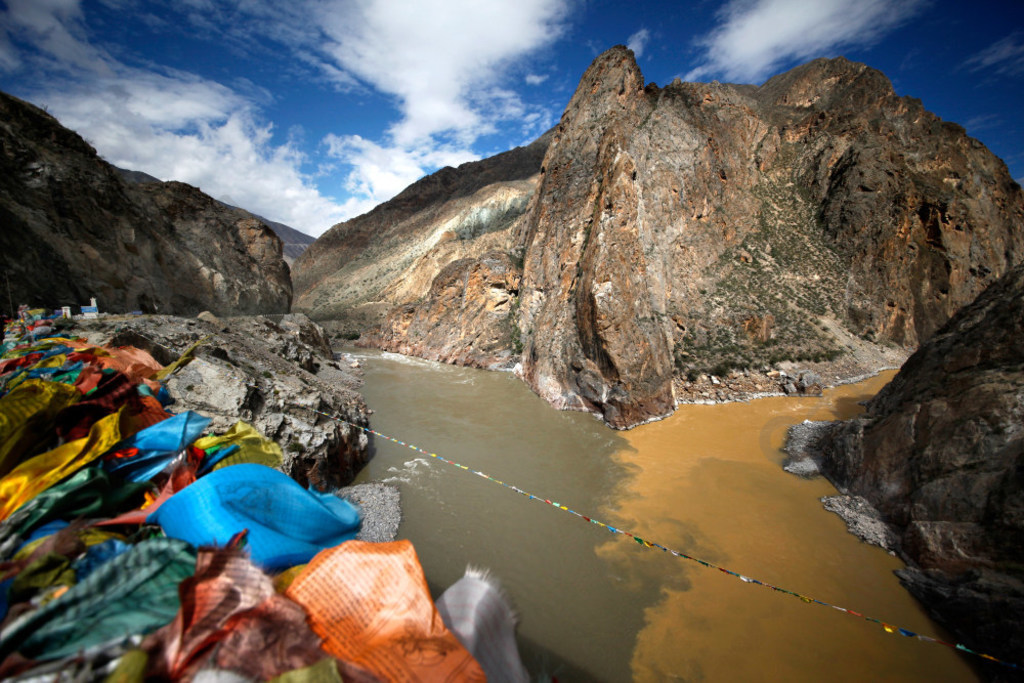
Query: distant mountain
(295, 241)
(73, 228)
(358, 270)
(668, 232)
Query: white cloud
(380, 172)
(432, 55)
(55, 28)
(757, 37)
(198, 133)
(638, 41)
(982, 122)
(170, 124)
(9, 59)
(449, 66)
(446, 63)
(1006, 56)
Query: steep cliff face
(699, 228)
(74, 229)
(940, 454)
(924, 216)
(594, 337)
(358, 270)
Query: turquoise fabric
(287, 524)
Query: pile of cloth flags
(135, 545)
(35, 323)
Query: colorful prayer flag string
(888, 628)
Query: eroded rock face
(278, 377)
(700, 224)
(73, 228)
(358, 270)
(594, 340)
(940, 454)
(479, 294)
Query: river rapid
(707, 482)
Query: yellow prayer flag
(26, 413)
(37, 474)
(253, 446)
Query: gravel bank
(381, 508)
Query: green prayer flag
(135, 592)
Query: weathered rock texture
(279, 377)
(477, 295)
(73, 228)
(294, 241)
(702, 227)
(940, 455)
(358, 270)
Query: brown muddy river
(706, 482)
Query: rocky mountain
(74, 228)
(939, 455)
(294, 241)
(360, 269)
(694, 228)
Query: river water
(706, 482)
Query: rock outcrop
(74, 228)
(940, 455)
(696, 228)
(294, 241)
(479, 294)
(279, 377)
(701, 226)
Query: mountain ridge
(697, 229)
(294, 241)
(361, 268)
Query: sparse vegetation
(784, 267)
(513, 326)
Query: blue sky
(309, 112)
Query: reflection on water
(707, 482)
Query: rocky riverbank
(279, 373)
(860, 359)
(937, 459)
(380, 506)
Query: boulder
(263, 373)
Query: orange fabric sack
(371, 605)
